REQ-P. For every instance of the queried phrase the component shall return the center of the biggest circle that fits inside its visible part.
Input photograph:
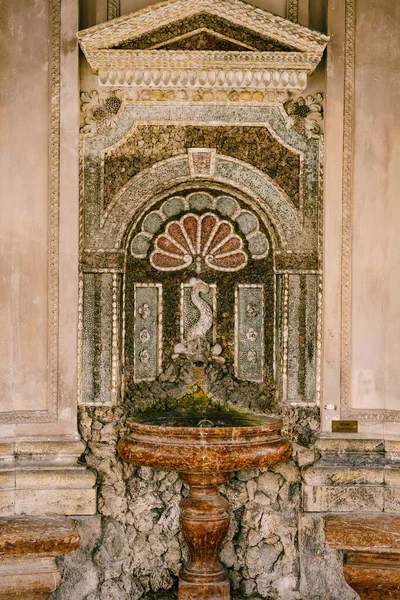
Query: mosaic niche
(221, 237)
(149, 144)
(213, 238)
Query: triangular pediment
(204, 39)
(262, 24)
(207, 37)
(205, 31)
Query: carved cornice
(110, 35)
(211, 78)
(199, 59)
(206, 69)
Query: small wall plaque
(345, 426)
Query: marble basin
(203, 449)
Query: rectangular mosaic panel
(295, 340)
(311, 329)
(97, 338)
(298, 310)
(249, 332)
(190, 314)
(148, 331)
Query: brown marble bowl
(205, 449)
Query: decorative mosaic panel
(189, 39)
(148, 331)
(249, 332)
(97, 338)
(190, 314)
(149, 144)
(282, 239)
(201, 239)
(298, 306)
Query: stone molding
(112, 9)
(371, 552)
(28, 547)
(357, 474)
(347, 195)
(44, 478)
(206, 69)
(292, 10)
(54, 211)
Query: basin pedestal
(204, 457)
(204, 524)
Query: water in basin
(196, 409)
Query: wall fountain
(203, 441)
(201, 256)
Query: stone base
(204, 591)
(28, 579)
(28, 547)
(371, 547)
(43, 478)
(353, 475)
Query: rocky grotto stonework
(134, 549)
(149, 144)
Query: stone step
(28, 547)
(371, 553)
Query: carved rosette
(305, 114)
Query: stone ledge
(371, 553)
(51, 536)
(330, 498)
(44, 478)
(24, 579)
(353, 475)
(361, 534)
(27, 550)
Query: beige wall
(39, 223)
(361, 315)
(24, 196)
(376, 207)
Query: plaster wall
(24, 198)
(376, 210)
(39, 225)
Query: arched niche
(293, 282)
(207, 232)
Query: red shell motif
(204, 237)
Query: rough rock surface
(134, 550)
